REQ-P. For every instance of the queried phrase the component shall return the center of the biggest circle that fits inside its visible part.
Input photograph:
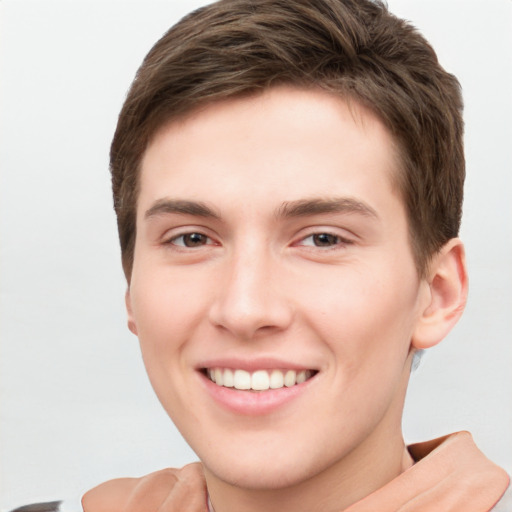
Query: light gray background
(76, 407)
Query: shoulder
(170, 488)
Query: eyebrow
(317, 206)
(289, 209)
(183, 207)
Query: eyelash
(333, 241)
(172, 241)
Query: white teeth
(228, 379)
(290, 378)
(242, 379)
(276, 379)
(260, 380)
(218, 376)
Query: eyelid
(175, 233)
(341, 242)
(341, 234)
(171, 241)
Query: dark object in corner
(51, 506)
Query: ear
(447, 283)
(131, 321)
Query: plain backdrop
(76, 406)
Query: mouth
(259, 380)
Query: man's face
(272, 247)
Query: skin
(333, 288)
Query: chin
(271, 476)
(271, 468)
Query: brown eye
(191, 240)
(325, 239)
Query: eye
(191, 240)
(323, 240)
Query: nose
(251, 299)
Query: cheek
(166, 315)
(367, 330)
(165, 311)
(366, 321)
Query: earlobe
(131, 321)
(448, 288)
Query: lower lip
(254, 403)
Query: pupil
(194, 239)
(324, 239)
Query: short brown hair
(354, 48)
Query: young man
(288, 183)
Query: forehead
(280, 145)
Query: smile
(259, 380)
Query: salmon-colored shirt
(450, 474)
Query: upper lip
(253, 364)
